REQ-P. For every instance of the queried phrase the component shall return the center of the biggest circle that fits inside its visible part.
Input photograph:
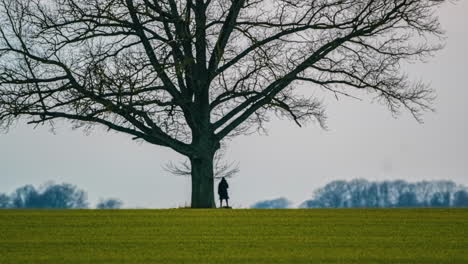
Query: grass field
(234, 236)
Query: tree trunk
(202, 182)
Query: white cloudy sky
(363, 141)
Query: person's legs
(227, 202)
(220, 203)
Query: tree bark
(202, 182)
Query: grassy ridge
(234, 236)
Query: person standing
(223, 193)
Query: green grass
(234, 236)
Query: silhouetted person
(223, 193)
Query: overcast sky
(363, 141)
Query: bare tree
(221, 168)
(188, 74)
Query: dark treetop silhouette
(188, 74)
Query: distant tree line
(109, 204)
(52, 196)
(391, 194)
(336, 194)
(280, 203)
(387, 194)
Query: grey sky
(363, 141)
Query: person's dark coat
(222, 189)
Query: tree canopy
(188, 74)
